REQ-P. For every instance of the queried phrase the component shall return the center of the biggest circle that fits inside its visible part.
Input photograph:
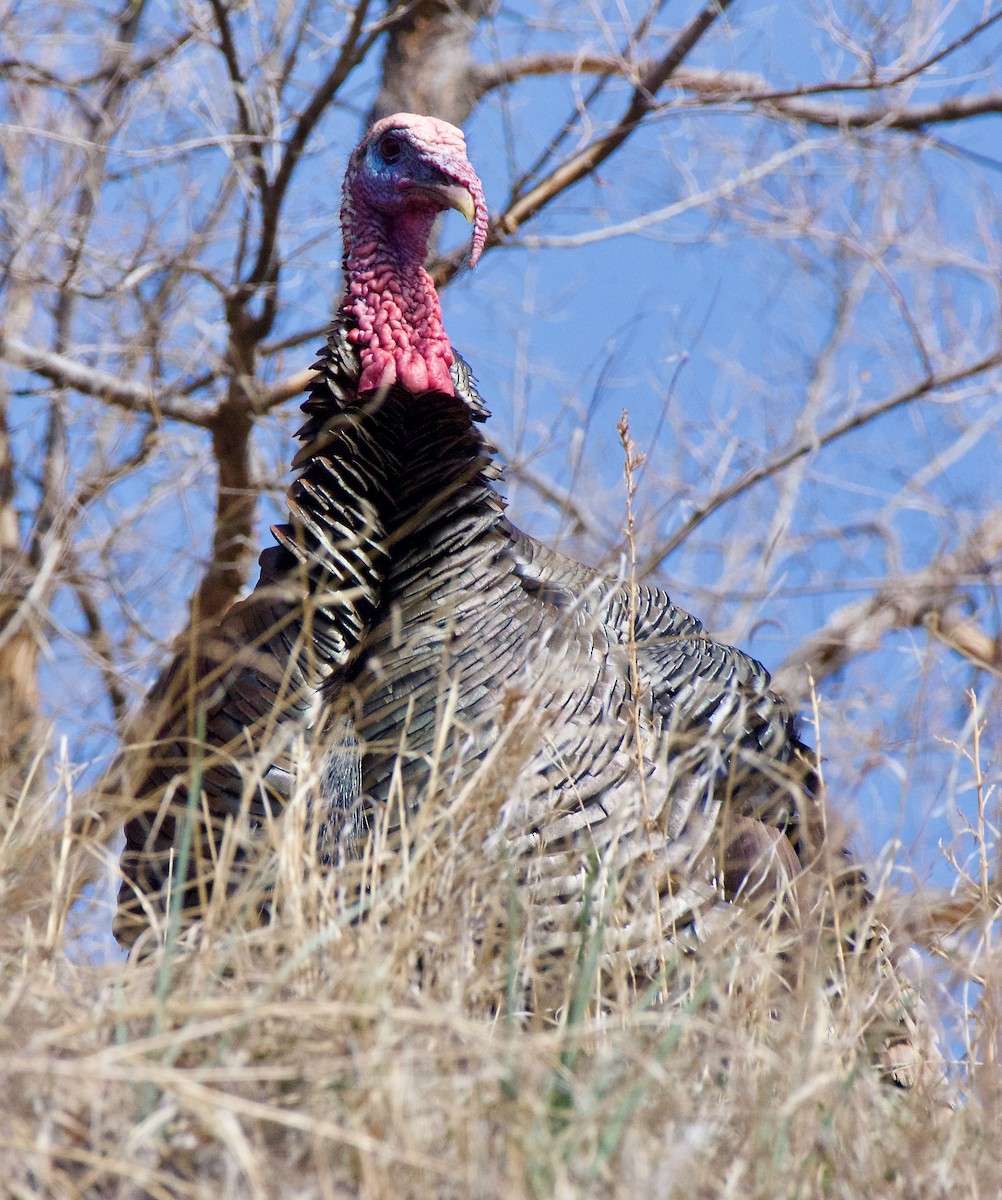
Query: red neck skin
(394, 303)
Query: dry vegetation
(316, 1053)
(166, 235)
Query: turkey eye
(390, 149)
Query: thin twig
(927, 386)
(64, 371)
(584, 162)
(928, 597)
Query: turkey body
(406, 623)
(626, 735)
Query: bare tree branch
(754, 91)
(585, 161)
(67, 372)
(930, 597)
(64, 371)
(489, 76)
(100, 643)
(641, 103)
(779, 462)
(910, 119)
(19, 643)
(354, 48)
(744, 85)
(246, 122)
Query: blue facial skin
(395, 168)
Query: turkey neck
(384, 265)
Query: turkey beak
(452, 195)
(460, 199)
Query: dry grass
(315, 1055)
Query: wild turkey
(659, 752)
(399, 573)
(420, 631)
